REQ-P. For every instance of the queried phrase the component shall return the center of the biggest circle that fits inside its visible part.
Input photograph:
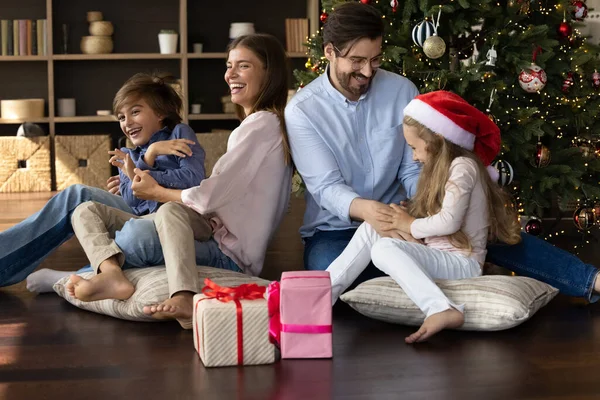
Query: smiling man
(345, 131)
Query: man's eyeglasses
(359, 62)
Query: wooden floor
(52, 350)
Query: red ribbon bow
(247, 291)
(273, 301)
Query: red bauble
(580, 10)
(534, 227)
(564, 29)
(323, 17)
(365, 1)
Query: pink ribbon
(273, 301)
(275, 325)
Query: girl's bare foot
(110, 284)
(179, 307)
(448, 319)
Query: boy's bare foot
(111, 284)
(448, 319)
(179, 307)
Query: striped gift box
(217, 337)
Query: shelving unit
(93, 79)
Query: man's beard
(344, 80)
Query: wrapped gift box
(217, 335)
(305, 310)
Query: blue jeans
(24, 246)
(140, 244)
(533, 257)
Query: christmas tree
(526, 65)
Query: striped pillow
(492, 303)
(151, 287)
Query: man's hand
(373, 212)
(176, 147)
(112, 185)
(122, 161)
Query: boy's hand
(122, 161)
(144, 186)
(112, 185)
(176, 147)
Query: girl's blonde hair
(431, 188)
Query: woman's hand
(144, 186)
(397, 219)
(176, 147)
(122, 161)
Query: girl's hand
(144, 186)
(122, 161)
(176, 147)
(397, 219)
(112, 185)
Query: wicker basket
(82, 159)
(23, 108)
(94, 16)
(215, 145)
(96, 44)
(101, 28)
(25, 164)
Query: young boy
(148, 110)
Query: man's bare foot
(179, 307)
(111, 284)
(448, 319)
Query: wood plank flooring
(52, 350)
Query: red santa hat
(449, 115)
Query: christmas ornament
(492, 56)
(567, 83)
(542, 156)
(584, 217)
(394, 4)
(596, 79)
(505, 172)
(533, 227)
(580, 10)
(488, 110)
(597, 213)
(421, 32)
(365, 1)
(434, 47)
(564, 29)
(585, 148)
(533, 79)
(323, 17)
(315, 68)
(308, 64)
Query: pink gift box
(305, 310)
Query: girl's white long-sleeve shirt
(248, 192)
(464, 207)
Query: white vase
(168, 43)
(240, 28)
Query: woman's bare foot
(448, 319)
(110, 284)
(179, 307)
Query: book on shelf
(16, 37)
(23, 37)
(296, 31)
(4, 36)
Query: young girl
(241, 204)
(456, 210)
(148, 110)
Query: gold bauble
(434, 47)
